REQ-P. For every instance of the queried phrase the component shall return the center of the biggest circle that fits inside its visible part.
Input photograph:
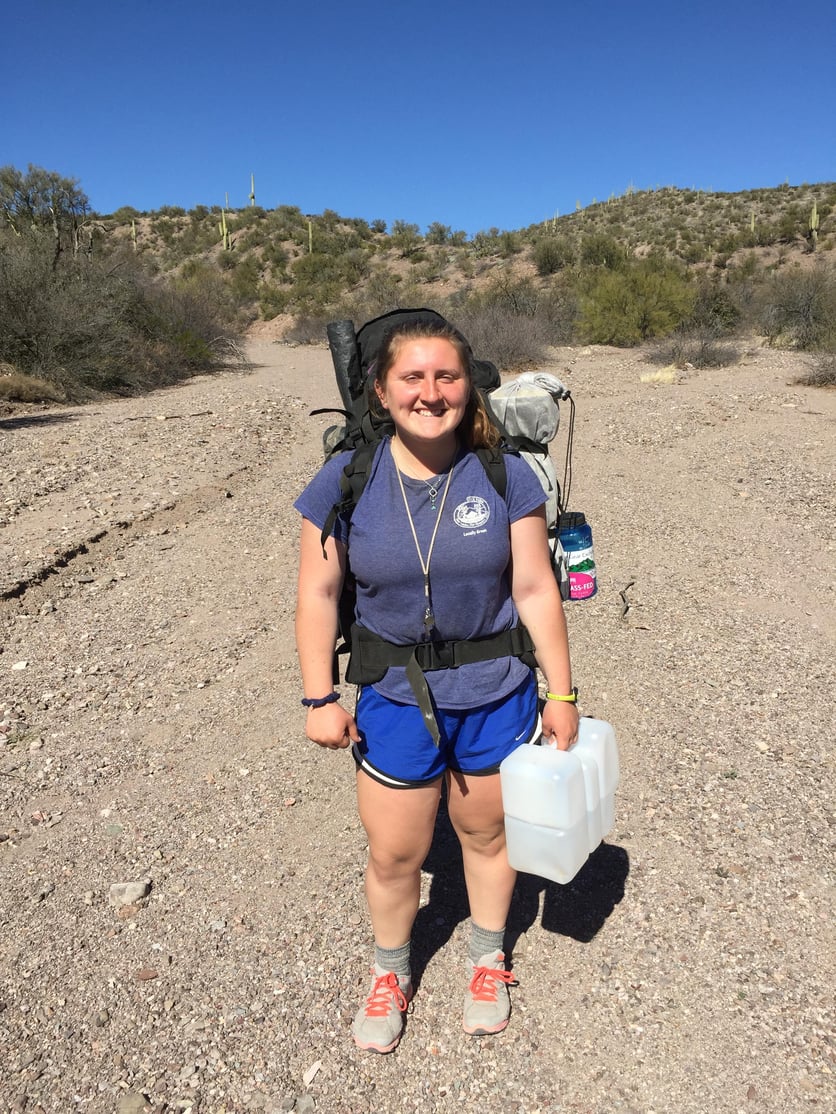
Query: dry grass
(665, 375)
(15, 387)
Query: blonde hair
(477, 430)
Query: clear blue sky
(472, 113)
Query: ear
(381, 394)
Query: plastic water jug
(575, 536)
(559, 805)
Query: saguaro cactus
(252, 189)
(814, 226)
(224, 231)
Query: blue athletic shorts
(396, 749)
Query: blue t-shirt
(469, 581)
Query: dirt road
(151, 733)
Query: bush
(15, 387)
(798, 308)
(822, 374)
(272, 300)
(626, 307)
(600, 250)
(106, 325)
(552, 254)
(495, 333)
(405, 237)
(698, 347)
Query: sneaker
(487, 1005)
(379, 1021)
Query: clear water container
(559, 805)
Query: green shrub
(405, 237)
(714, 308)
(438, 233)
(272, 300)
(600, 250)
(626, 307)
(552, 254)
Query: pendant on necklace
(432, 488)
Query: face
(426, 390)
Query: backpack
(524, 410)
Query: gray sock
(483, 941)
(394, 959)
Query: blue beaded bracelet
(320, 702)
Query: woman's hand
(560, 724)
(331, 726)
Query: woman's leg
(476, 813)
(475, 806)
(399, 824)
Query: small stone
(128, 893)
(145, 974)
(19, 665)
(305, 1105)
(132, 1102)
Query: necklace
(429, 617)
(433, 486)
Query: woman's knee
(393, 864)
(486, 837)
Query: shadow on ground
(578, 910)
(24, 421)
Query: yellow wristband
(572, 698)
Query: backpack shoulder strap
(353, 482)
(493, 461)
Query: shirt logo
(472, 513)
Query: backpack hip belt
(371, 656)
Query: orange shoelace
(384, 992)
(483, 983)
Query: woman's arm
(320, 584)
(537, 598)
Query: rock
(132, 1102)
(128, 893)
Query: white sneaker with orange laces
(487, 1005)
(379, 1021)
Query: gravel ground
(151, 734)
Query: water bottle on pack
(559, 805)
(575, 536)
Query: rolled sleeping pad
(342, 340)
